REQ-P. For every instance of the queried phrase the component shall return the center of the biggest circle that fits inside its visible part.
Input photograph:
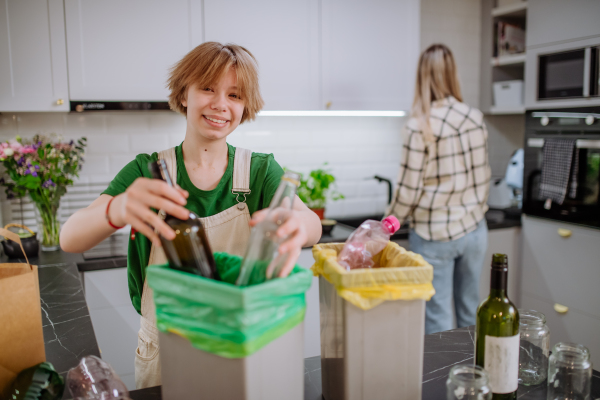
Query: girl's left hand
(294, 232)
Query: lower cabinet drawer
(568, 327)
(561, 269)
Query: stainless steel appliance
(583, 126)
(569, 74)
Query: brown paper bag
(21, 336)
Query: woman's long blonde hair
(437, 79)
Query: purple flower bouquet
(43, 169)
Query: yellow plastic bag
(403, 275)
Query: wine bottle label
(501, 361)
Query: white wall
(457, 24)
(356, 148)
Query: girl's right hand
(134, 207)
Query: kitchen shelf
(507, 110)
(513, 59)
(518, 9)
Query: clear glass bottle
(262, 260)
(569, 372)
(468, 382)
(534, 347)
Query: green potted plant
(317, 189)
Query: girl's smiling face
(214, 112)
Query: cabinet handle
(60, 102)
(559, 308)
(328, 105)
(565, 232)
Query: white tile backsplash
(148, 142)
(108, 143)
(355, 148)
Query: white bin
(370, 354)
(275, 372)
(508, 94)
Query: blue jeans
(456, 270)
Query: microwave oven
(569, 74)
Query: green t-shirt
(265, 174)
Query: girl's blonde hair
(437, 79)
(206, 64)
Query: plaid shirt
(443, 185)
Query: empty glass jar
(569, 372)
(534, 347)
(468, 382)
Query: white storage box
(508, 94)
(275, 372)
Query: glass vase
(48, 225)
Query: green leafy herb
(318, 188)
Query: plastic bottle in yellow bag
(367, 240)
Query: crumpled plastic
(401, 275)
(224, 319)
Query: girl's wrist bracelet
(108, 219)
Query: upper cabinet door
(552, 21)
(33, 59)
(370, 50)
(122, 50)
(283, 36)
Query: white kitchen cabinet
(115, 321)
(559, 21)
(283, 36)
(369, 53)
(562, 267)
(33, 59)
(122, 50)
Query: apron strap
(241, 174)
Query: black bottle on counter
(190, 250)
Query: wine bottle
(190, 250)
(497, 334)
(262, 260)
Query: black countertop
(495, 218)
(67, 326)
(69, 335)
(442, 351)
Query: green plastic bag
(224, 319)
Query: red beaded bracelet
(108, 219)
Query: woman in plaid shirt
(443, 187)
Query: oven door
(581, 205)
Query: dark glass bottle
(497, 334)
(190, 250)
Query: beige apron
(227, 231)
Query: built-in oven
(582, 125)
(569, 74)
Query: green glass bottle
(497, 334)
(190, 250)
